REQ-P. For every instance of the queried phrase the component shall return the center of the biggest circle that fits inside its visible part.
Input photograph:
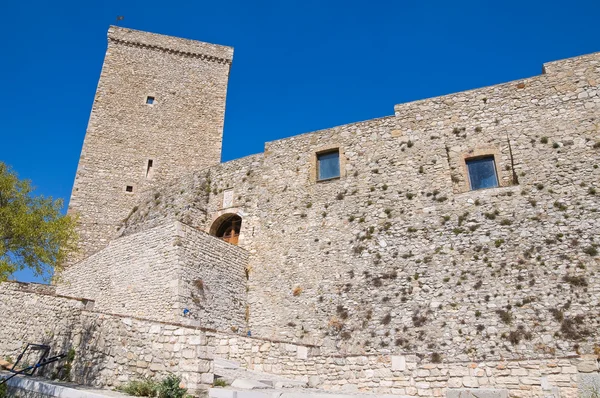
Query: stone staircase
(243, 383)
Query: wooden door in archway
(232, 233)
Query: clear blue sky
(298, 66)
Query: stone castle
(452, 245)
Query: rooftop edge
(185, 47)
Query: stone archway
(227, 227)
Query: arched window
(227, 227)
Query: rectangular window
(482, 172)
(149, 169)
(150, 100)
(328, 165)
(129, 188)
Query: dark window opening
(149, 100)
(149, 168)
(328, 165)
(482, 172)
(227, 228)
(129, 188)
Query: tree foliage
(33, 232)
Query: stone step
(294, 393)
(225, 364)
(249, 379)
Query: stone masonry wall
(179, 132)
(109, 349)
(212, 282)
(398, 255)
(33, 313)
(407, 374)
(135, 275)
(159, 272)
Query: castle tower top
(177, 45)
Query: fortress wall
(181, 131)
(109, 349)
(32, 313)
(241, 180)
(113, 349)
(397, 255)
(183, 199)
(135, 275)
(408, 374)
(212, 282)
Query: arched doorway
(227, 227)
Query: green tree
(33, 232)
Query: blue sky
(298, 66)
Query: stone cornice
(205, 57)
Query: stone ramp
(237, 377)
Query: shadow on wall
(84, 359)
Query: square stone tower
(158, 113)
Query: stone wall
(33, 313)
(168, 272)
(135, 275)
(408, 374)
(212, 281)
(109, 349)
(179, 132)
(398, 255)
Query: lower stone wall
(114, 349)
(409, 374)
(212, 281)
(32, 313)
(267, 356)
(109, 349)
(134, 275)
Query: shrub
(591, 251)
(419, 320)
(575, 280)
(572, 328)
(170, 388)
(436, 357)
(490, 216)
(342, 312)
(514, 337)
(544, 140)
(220, 383)
(3, 390)
(199, 283)
(558, 315)
(386, 319)
(145, 387)
(560, 206)
(505, 316)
